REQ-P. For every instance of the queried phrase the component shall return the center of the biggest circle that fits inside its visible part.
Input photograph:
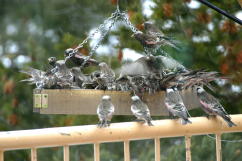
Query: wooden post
(218, 147)
(157, 149)
(96, 152)
(126, 151)
(66, 153)
(33, 154)
(188, 148)
(1, 155)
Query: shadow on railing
(74, 135)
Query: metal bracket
(40, 100)
(44, 101)
(37, 100)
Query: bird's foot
(101, 124)
(150, 123)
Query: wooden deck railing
(67, 136)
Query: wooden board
(82, 101)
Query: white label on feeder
(37, 100)
(44, 100)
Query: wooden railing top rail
(61, 136)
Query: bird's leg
(99, 125)
(149, 123)
(109, 123)
(106, 123)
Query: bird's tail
(228, 120)
(185, 121)
(171, 42)
(29, 80)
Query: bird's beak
(132, 35)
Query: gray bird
(170, 64)
(105, 111)
(152, 30)
(106, 71)
(211, 105)
(79, 78)
(107, 75)
(40, 78)
(141, 110)
(175, 105)
(147, 65)
(77, 59)
(59, 68)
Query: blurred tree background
(32, 31)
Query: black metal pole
(221, 11)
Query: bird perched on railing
(140, 110)
(105, 111)
(211, 105)
(175, 105)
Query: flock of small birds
(147, 74)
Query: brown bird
(152, 30)
(211, 105)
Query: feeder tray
(85, 101)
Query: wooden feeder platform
(85, 101)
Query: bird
(175, 105)
(184, 79)
(76, 59)
(148, 41)
(59, 68)
(40, 78)
(107, 75)
(106, 71)
(105, 111)
(141, 110)
(146, 65)
(152, 30)
(170, 64)
(211, 105)
(80, 79)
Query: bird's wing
(134, 109)
(219, 108)
(98, 108)
(36, 74)
(179, 107)
(150, 40)
(111, 110)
